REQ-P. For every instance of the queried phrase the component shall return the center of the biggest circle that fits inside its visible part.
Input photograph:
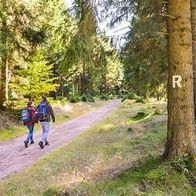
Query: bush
(129, 96)
(91, 99)
(84, 98)
(104, 97)
(133, 96)
(74, 98)
(111, 96)
(60, 98)
(140, 100)
(87, 98)
(120, 96)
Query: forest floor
(121, 155)
(15, 157)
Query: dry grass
(8, 119)
(73, 109)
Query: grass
(108, 160)
(12, 133)
(63, 113)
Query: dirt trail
(14, 156)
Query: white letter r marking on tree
(176, 81)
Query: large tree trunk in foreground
(193, 19)
(181, 135)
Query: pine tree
(35, 80)
(181, 132)
(145, 56)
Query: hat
(29, 103)
(44, 98)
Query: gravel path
(14, 157)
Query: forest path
(14, 157)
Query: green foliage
(133, 96)
(140, 100)
(14, 48)
(84, 98)
(74, 98)
(184, 165)
(130, 95)
(104, 96)
(145, 54)
(53, 191)
(91, 98)
(35, 37)
(79, 59)
(90, 64)
(34, 81)
(87, 98)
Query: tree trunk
(83, 80)
(4, 66)
(7, 80)
(193, 19)
(2, 87)
(181, 135)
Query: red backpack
(33, 116)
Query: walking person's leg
(41, 144)
(45, 133)
(48, 129)
(31, 138)
(30, 135)
(45, 130)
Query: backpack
(25, 115)
(34, 117)
(42, 111)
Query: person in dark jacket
(30, 124)
(45, 115)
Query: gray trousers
(45, 130)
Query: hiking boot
(32, 142)
(41, 144)
(26, 144)
(46, 143)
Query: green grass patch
(12, 133)
(151, 177)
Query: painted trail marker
(176, 81)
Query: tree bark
(4, 63)
(193, 19)
(6, 80)
(181, 135)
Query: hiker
(29, 117)
(45, 113)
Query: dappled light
(97, 97)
